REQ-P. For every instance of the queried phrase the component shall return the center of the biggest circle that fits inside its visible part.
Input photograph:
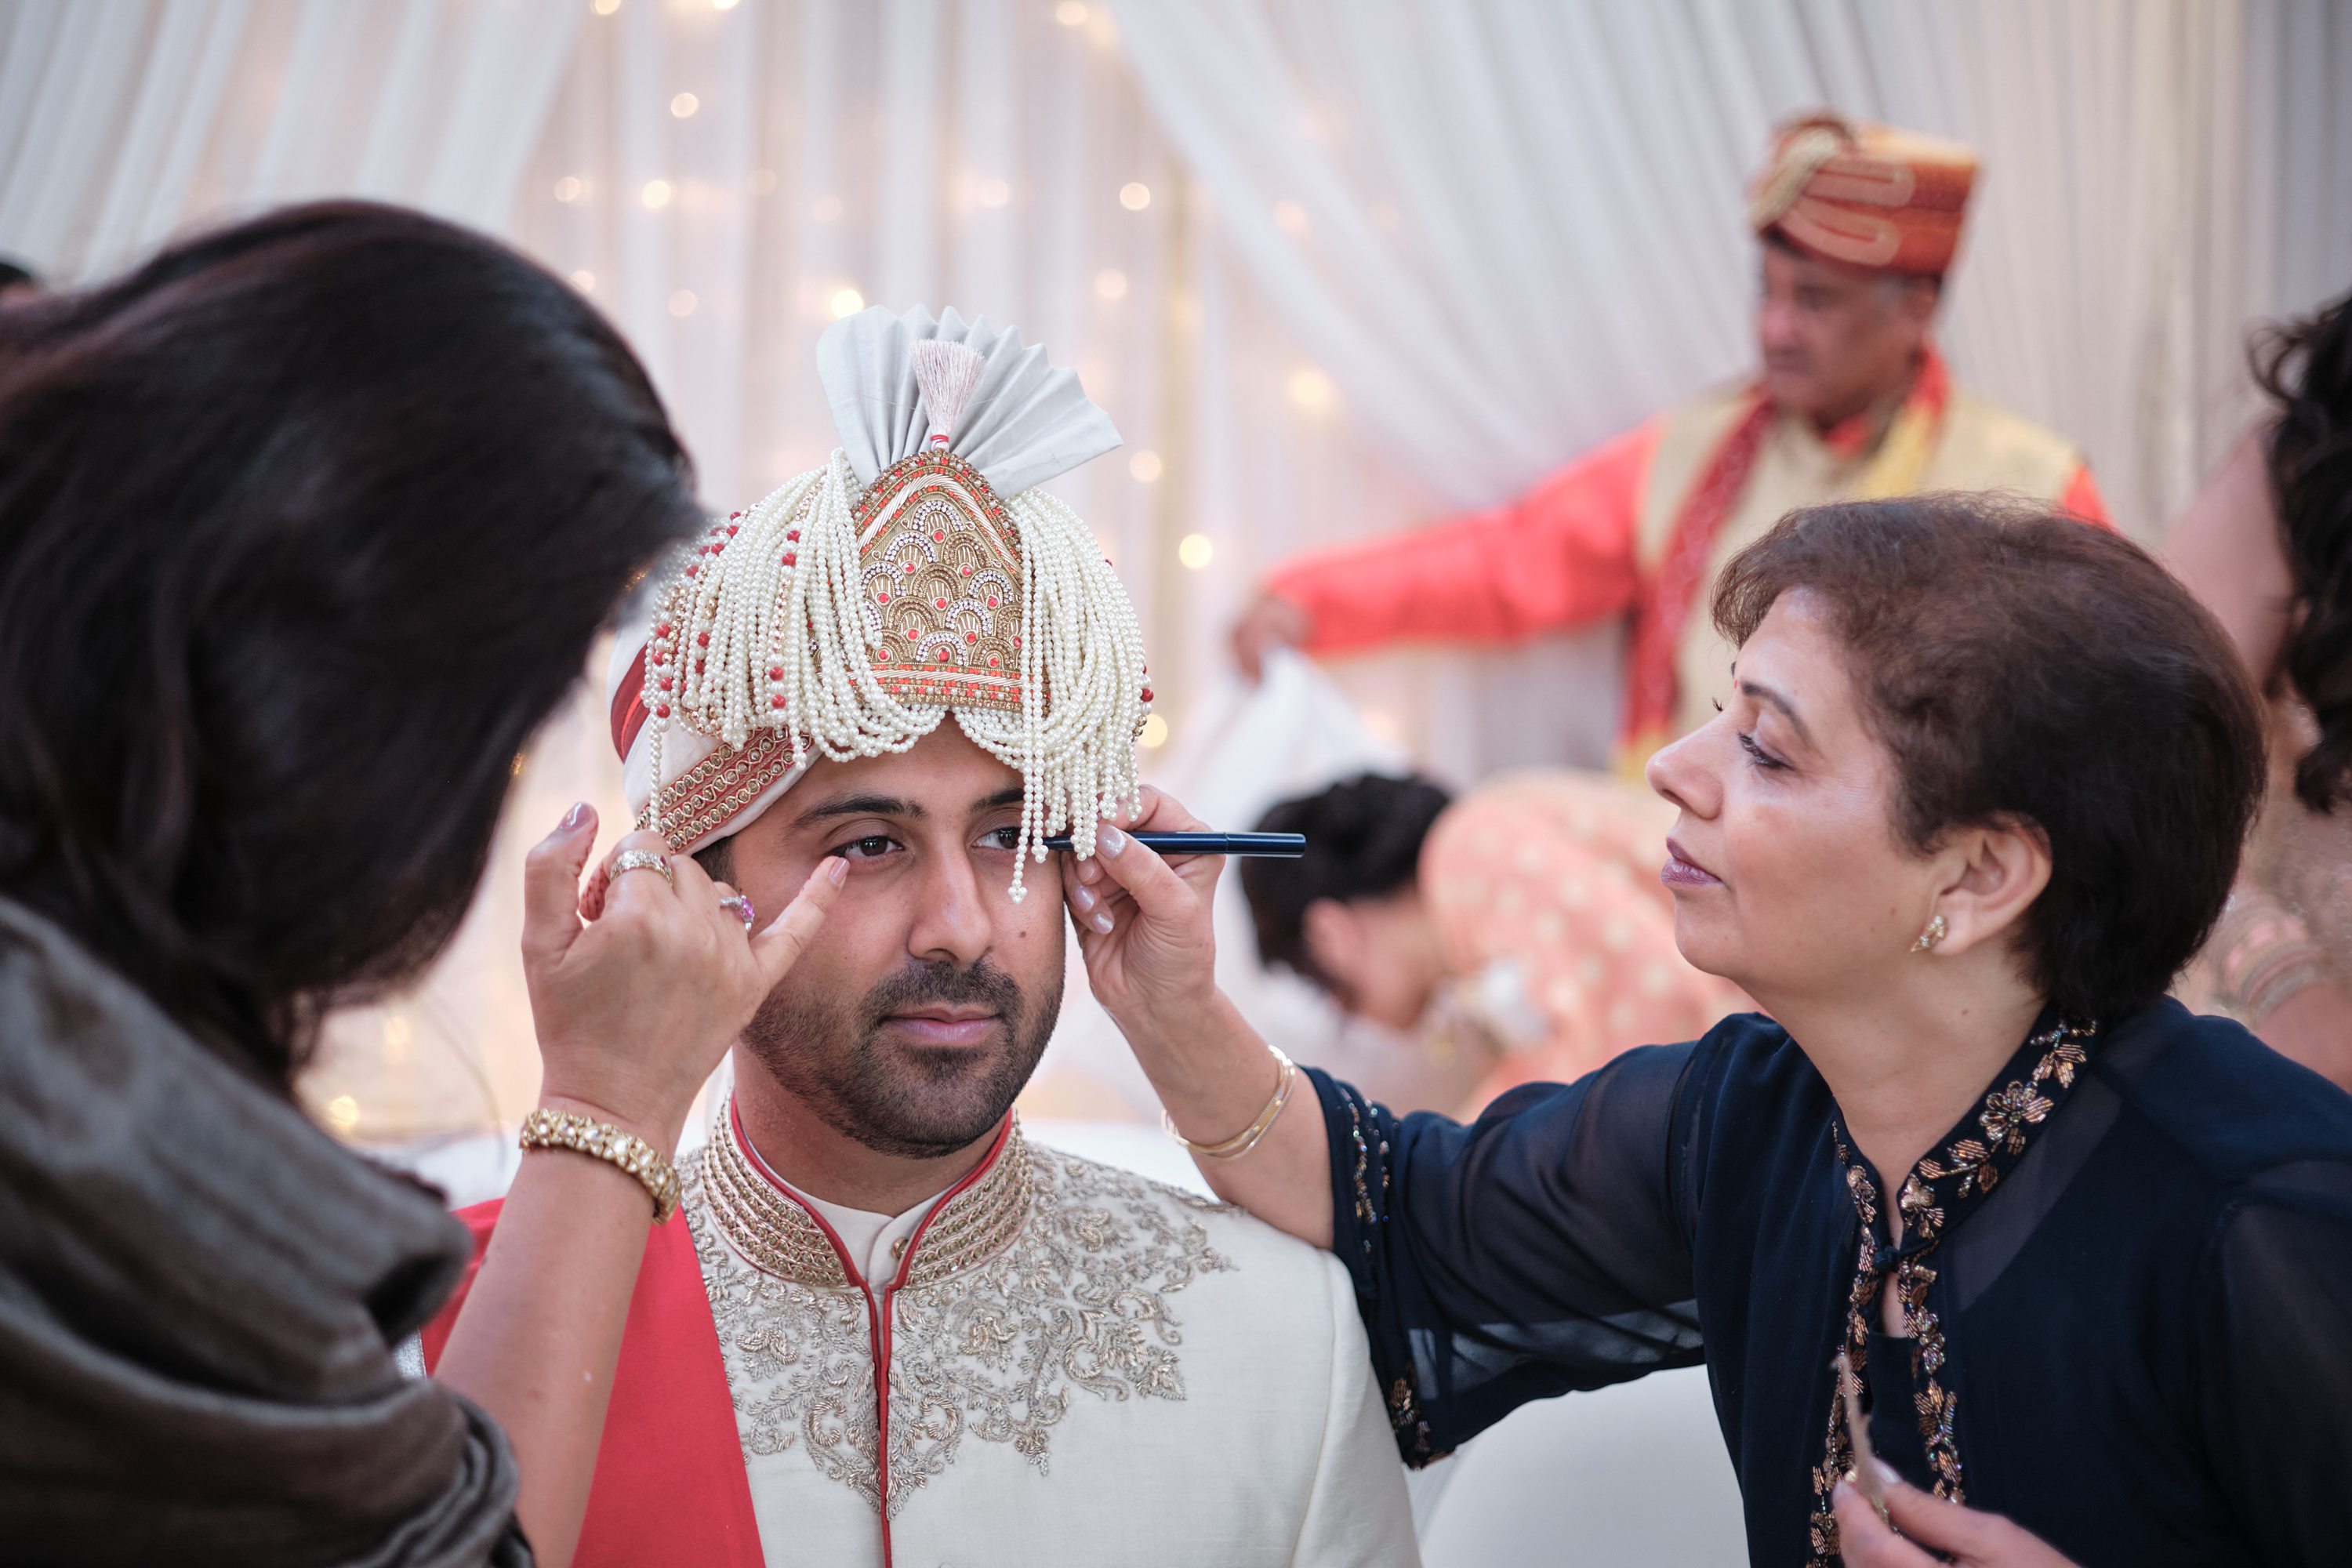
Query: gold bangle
(1242, 1143)
(545, 1129)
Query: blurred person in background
(1515, 929)
(305, 526)
(2267, 544)
(1858, 227)
(1978, 795)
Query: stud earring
(1931, 936)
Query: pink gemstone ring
(740, 908)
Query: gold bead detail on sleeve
(545, 1129)
(1242, 1143)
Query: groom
(886, 1327)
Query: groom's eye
(1006, 838)
(872, 847)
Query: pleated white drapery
(1333, 268)
(1511, 226)
(122, 121)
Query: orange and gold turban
(1867, 195)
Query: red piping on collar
(877, 1312)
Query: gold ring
(642, 860)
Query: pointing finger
(1930, 1521)
(1150, 881)
(550, 884)
(780, 946)
(1087, 907)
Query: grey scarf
(197, 1293)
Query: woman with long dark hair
(2267, 546)
(305, 526)
(1977, 796)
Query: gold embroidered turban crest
(919, 573)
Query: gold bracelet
(1242, 1143)
(545, 1129)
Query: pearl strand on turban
(919, 572)
(795, 563)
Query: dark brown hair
(1363, 841)
(305, 525)
(2306, 367)
(2023, 667)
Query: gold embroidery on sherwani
(1072, 1291)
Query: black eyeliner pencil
(1273, 846)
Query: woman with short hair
(1978, 796)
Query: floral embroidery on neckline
(1939, 1191)
(1079, 1299)
(777, 1234)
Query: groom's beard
(847, 1061)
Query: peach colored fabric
(1558, 873)
(2292, 908)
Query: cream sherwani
(1085, 1367)
(1078, 1366)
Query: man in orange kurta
(1858, 224)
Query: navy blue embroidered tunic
(2128, 1272)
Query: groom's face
(921, 1009)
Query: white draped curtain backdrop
(1335, 266)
